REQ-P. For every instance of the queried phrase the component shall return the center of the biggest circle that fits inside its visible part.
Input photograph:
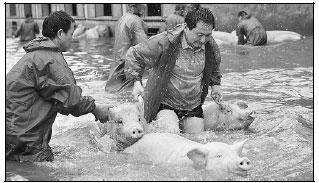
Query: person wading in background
(28, 29)
(130, 30)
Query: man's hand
(101, 112)
(217, 94)
(138, 90)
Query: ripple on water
(278, 85)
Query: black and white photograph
(113, 91)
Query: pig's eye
(219, 156)
(120, 121)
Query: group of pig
(83, 32)
(273, 36)
(162, 142)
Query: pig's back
(163, 148)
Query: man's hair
(54, 22)
(195, 6)
(198, 15)
(180, 7)
(28, 15)
(242, 13)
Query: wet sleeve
(56, 84)
(36, 28)
(141, 56)
(216, 74)
(240, 32)
(138, 33)
(170, 24)
(18, 32)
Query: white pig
(95, 32)
(125, 126)
(224, 116)
(273, 36)
(174, 149)
(227, 116)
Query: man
(130, 30)
(252, 29)
(39, 86)
(176, 18)
(28, 29)
(183, 62)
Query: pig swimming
(125, 126)
(217, 117)
(227, 116)
(174, 149)
(273, 36)
(82, 32)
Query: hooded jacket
(39, 86)
(160, 53)
(27, 30)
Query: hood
(40, 43)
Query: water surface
(275, 80)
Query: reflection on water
(276, 81)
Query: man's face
(66, 38)
(200, 35)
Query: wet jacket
(27, 30)
(173, 20)
(39, 86)
(160, 53)
(252, 29)
(130, 30)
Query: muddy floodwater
(276, 81)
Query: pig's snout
(252, 114)
(244, 164)
(137, 133)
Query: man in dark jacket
(251, 28)
(28, 29)
(184, 62)
(39, 86)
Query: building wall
(86, 15)
(293, 17)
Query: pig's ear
(238, 146)
(241, 105)
(198, 156)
